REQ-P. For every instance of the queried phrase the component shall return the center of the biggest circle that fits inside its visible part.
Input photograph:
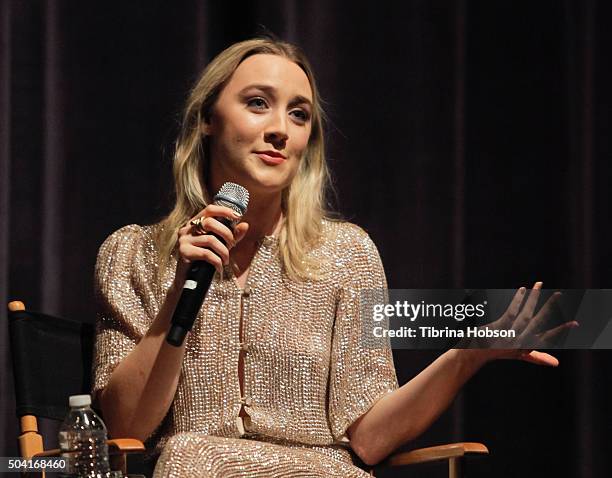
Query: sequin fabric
(307, 374)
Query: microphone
(200, 273)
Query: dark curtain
(469, 138)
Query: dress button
(245, 347)
(246, 401)
(247, 291)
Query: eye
(301, 115)
(258, 103)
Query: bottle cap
(79, 400)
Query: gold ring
(197, 223)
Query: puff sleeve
(125, 299)
(360, 373)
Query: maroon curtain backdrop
(471, 139)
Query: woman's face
(260, 125)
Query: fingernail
(236, 215)
(538, 285)
(522, 290)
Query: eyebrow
(297, 99)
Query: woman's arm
(142, 387)
(408, 411)
(405, 413)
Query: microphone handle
(198, 281)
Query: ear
(205, 129)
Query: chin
(269, 183)
(266, 187)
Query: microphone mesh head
(233, 196)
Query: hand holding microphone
(203, 247)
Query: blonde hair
(303, 201)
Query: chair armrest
(125, 445)
(52, 452)
(436, 453)
(118, 445)
(118, 450)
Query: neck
(263, 216)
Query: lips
(271, 158)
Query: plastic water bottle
(82, 440)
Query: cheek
(300, 142)
(247, 128)
(239, 129)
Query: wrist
(471, 358)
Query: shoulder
(350, 248)
(127, 236)
(124, 234)
(346, 236)
(354, 261)
(126, 243)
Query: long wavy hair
(303, 201)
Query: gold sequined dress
(307, 374)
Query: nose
(276, 130)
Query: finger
(190, 247)
(212, 225)
(544, 315)
(526, 313)
(512, 311)
(532, 300)
(187, 229)
(214, 210)
(240, 231)
(540, 358)
(552, 335)
(211, 242)
(194, 253)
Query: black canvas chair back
(51, 361)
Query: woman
(273, 379)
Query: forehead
(272, 70)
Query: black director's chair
(51, 361)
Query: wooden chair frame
(455, 453)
